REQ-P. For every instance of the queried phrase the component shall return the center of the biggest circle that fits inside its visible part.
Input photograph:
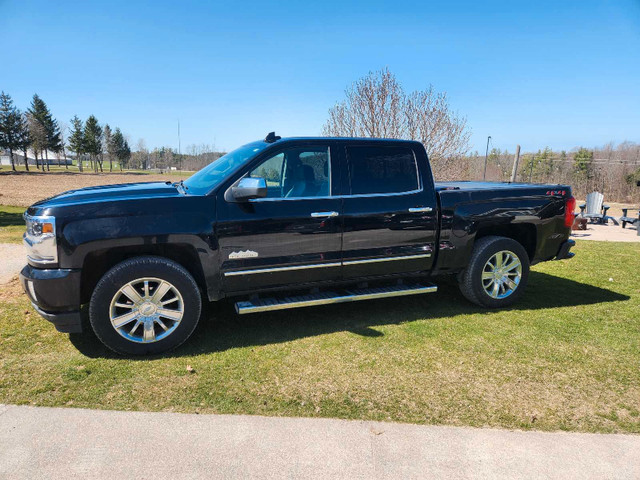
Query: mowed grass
(567, 357)
(11, 224)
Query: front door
(293, 236)
(390, 211)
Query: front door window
(300, 172)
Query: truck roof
(345, 139)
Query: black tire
(129, 271)
(470, 281)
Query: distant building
(18, 158)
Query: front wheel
(145, 305)
(497, 273)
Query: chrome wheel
(146, 310)
(501, 274)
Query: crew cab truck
(282, 223)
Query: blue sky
(560, 73)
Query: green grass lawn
(11, 224)
(567, 357)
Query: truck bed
(475, 185)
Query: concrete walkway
(12, 258)
(74, 443)
(607, 233)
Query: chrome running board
(324, 298)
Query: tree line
(167, 158)
(90, 141)
(611, 169)
(37, 130)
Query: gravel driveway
(12, 259)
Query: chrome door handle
(324, 214)
(420, 209)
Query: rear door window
(382, 170)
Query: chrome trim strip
(372, 195)
(280, 269)
(247, 307)
(323, 265)
(40, 261)
(385, 259)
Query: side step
(323, 298)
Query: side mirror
(249, 188)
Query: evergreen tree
(45, 134)
(582, 162)
(93, 141)
(54, 137)
(76, 140)
(121, 148)
(117, 143)
(24, 139)
(108, 146)
(10, 123)
(125, 154)
(543, 164)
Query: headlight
(40, 239)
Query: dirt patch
(11, 289)
(23, 189)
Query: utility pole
(486, 157)
(516, 159)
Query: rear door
(389, 210)
(294, 235)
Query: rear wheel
(497, 273)
(145, 305)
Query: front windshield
(201, 182)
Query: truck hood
(109, 193)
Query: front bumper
(564, 250)
(55, 294)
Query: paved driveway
(75, 443)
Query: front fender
(163, 227)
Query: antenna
(272, 137)
(179, 137)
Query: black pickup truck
(282, 223)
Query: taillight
(569, 208)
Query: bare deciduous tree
(377, 106)
(38, 135)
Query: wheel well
(525, 234)
(97, 263)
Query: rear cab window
(375, 170)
